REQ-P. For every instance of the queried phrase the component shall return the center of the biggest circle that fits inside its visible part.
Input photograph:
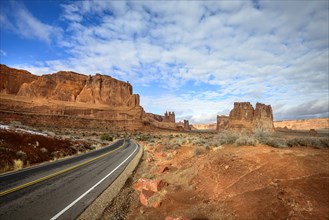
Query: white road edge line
(83, 195)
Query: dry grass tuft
(18, 164)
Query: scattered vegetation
(106, 137)
(18, 164)
(21, 155)
(198, 150)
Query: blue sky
(195, 58)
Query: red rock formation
(11, 79)
(63, 86)
(166, 122)
(74, 87)
(222, 122)
(263, 117)
(186, 125)
(169, 117)
(70, 94)
(313, 132)
(243, 117)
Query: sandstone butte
(243, 117)
(75, 100)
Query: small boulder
(144, 197)
(162, 169)
(146, 184)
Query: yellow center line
(57, 173)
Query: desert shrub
(198, 151)
(324, 142)
(262, 136)
(106, 137)
(4, 149)
(181, 140)
(15, 123)
(309, 141)
(146, 137)
(90, 147)
(43, 150)
(207, 146)
(171, 146)
(275, 142)
(21, 155)
(227, 137)
(246, 140)
(18, 164)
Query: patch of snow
(31, 132)
(4, 127)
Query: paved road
(67, 187)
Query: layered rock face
(304, 124)
(166, 121)
(263, 117)
(243, 117)
(222, 122)
(11, 79)
(74, 87)
(187, 125)
(169, 117)
(69, 94)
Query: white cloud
(20, 21)
(277, 53)
(3, 53)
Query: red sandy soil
(33, 148)
(233, 182)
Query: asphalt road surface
(63, 189)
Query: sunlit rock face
(243, 117)
(70, 94)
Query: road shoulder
(95, 210)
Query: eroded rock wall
(69, 94)
(12, 79)
(222, 122)
(243, 117)
(263, 118)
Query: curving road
(63, 189)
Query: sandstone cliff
(11, 79)
(74, 87)
(243, 117)
(222, 122)
(263, 117)
(71, 94)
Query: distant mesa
(243, 117)
(303, 124)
